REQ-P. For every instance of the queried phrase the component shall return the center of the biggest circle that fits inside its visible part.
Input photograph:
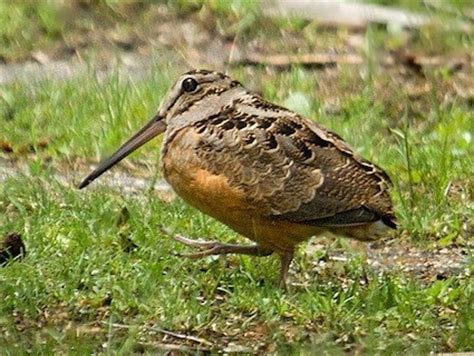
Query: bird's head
(194, 95)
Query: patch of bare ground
(428, 265)
(397, 256)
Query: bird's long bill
(153, 128)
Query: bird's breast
(186, 172)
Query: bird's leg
(209, 248)
(224, 249)
(286, 258)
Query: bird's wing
(290, 168)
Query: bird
(268, 173)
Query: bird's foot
(209, 248)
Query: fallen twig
(164, 332)
(173, 347)
(307, 60)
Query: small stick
(172, 347)
(164, 332)
(283, 61)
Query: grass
(77, 273)
(82, 105)
(100, 277)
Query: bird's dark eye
(189, 85)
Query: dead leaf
(6, 146)
(11, 247)
(409, 60)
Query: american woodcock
(263, 170)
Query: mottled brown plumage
(265, 171)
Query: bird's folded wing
(292, 169)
